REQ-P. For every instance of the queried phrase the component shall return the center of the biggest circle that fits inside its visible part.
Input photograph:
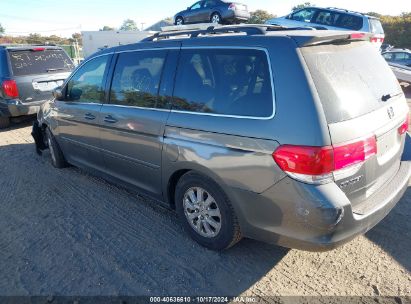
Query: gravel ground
(64, 232)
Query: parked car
(334, 19)
(28, 75)
(216, 127)
(402, 72)
(398, 56)
(215, 11)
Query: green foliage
(397, 30)
(1, 29)
(299, 6)
(38, 39)
(107, 28)
(129, 25)
(260, 17)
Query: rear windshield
(376, 26)
(27, 62)
(350, 79)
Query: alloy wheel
(202, 212)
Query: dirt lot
(64, 232)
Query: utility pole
(142, 25)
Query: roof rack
(344, 10)
(196, 30)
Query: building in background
(94, 41)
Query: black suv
(27, 77)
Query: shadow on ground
(20, 122)
(63, 232)
(393, 234)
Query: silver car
(290, 137)
(332, 18)
(398, 56)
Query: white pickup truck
(402, 72)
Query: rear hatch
(362, 102)
(38, 70)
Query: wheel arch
(183, 168)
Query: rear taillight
(404, 127)
(377, 40)
(10, 88)
(232, 7)
(316, 165)
(357, 35)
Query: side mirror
(58, 93)
(188, 8)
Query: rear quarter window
(233, 82)
(28, 62)
(376, 26)
(350, 79)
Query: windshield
(350, 79)
(28, 62)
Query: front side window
(87, 85)
(136, 79)
(234, 82)
(304, 15)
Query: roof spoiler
(332, 39)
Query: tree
(129, 25)
(35, 39)
(260, 17)
(107, 28)
(1, 29)
(299, 6)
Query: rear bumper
(236, 16)
(16, 108)
(311, 217)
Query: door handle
(89, 116)
(110, 119)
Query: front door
(193, 15)
(133, 121)
(78, 113)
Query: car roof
(398, 50)
(28, 47)
(341, 10)
(301, 37)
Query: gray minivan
(293, 137)
(28, 75)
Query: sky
(48, 17)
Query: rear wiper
(387, 97)
(53, 70)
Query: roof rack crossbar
(248, 29)
(344, 10)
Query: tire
(4, 122)
(179, 21)
(219, 212)
(57, 157)
(216, 18)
